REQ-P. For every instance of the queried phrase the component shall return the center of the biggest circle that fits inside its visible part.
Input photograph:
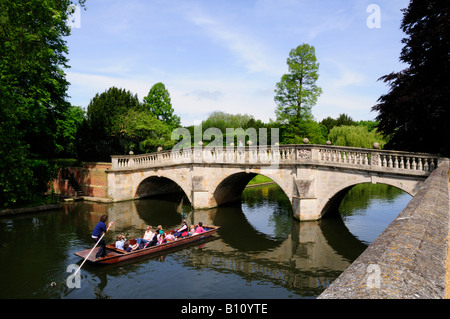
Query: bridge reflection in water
(263, 244)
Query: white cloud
(195, 98)
(247, 48)
(228, 55)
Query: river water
(259, 252)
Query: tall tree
(105, 110)
(33, 88)
(415, 112)
(102, 133)
(145, 133)
(158, 102)
(297, 91)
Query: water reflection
(368, 209)
(260, 251)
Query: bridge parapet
(361, 158)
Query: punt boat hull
(115, 255)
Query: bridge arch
(337, 194)
(158, 185)
(230, 188)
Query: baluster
(390, 161)
(413, 163)
(366, 159)
(432, 165)
(426, 167)
(419, 164)
(396, 162)
(384, 162)
(401, 164)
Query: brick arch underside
(158, 186)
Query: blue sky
(228, 55)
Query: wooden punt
(115, 255)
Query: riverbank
(42, 208)
(27, 210)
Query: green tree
(297, 130)
(158, 102)
(67, 128)
(33, 89)
(415, 112)
(343, 119)
(145, 133)
(354, 136)
(101, 134)
(297, 91)
(106, 110)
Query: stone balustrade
(371, 159)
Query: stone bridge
(314, 177)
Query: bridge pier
(202, 200)
(305, 209)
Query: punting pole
(88, 255)
(93, 249)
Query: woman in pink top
(199, 229)
(161, 239)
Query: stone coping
(408, 260)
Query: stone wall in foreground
(408, 260)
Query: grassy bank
(260, 179)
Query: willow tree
(297, 91)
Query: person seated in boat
(170, 237)
(148, 236)
(153, 241)
(161, 239)
(192, 230)
(199, 229)
(183, 228)
(159, 230)
(127, 247)
(120, 242)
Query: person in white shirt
(148, 236)
(120, 241)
